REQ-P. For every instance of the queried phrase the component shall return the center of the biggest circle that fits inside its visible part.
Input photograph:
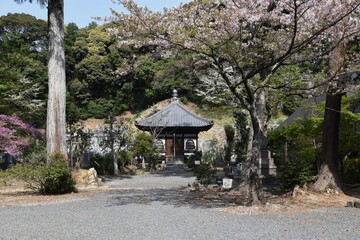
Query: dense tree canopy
(23, 50)
(100, 76)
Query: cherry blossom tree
(246, 42)
(14, 135)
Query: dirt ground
(15, 194)
(304, 200)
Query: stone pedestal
(267, 165)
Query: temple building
(176, 130)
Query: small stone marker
(227, 183)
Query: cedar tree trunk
(56, 122)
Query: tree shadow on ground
(177, 171)
(109, 178)
(182, 174)
(175, 196)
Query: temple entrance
(169, 148)
(178, 148)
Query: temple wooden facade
(176, 129)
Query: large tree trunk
(251, 178)
(329, 174)
(254, 155)
(56, 122)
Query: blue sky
(82, 11)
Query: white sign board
(227, 183)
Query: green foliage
(100, 75)
(215, 154)
(23, 43)
(292, 173)
(99, 108)
(196, 156)
(230, 141)
(143, 144)
(116, 134)
(103, 164)
(296, 151)
(293, 78)
(116, 137)
(54, 178)
(351, 171)
(99, 72)
(204, 173)
(242, 135)
(36, 153)
(297, 147)
(78, 142)
(349, 139)
(124, 158)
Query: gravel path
(153, 207)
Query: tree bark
(115, 161)
(329, 174)
(255, 183)
(251, 177)
(56, 122)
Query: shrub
(293, 173)
(104, 165)
(124, 158)
(204, 173)
(54, 178)
(197, 155)
(36, 154)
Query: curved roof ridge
(174, 115)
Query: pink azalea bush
(15, 135)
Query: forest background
(101, 77)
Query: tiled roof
(174, 115)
